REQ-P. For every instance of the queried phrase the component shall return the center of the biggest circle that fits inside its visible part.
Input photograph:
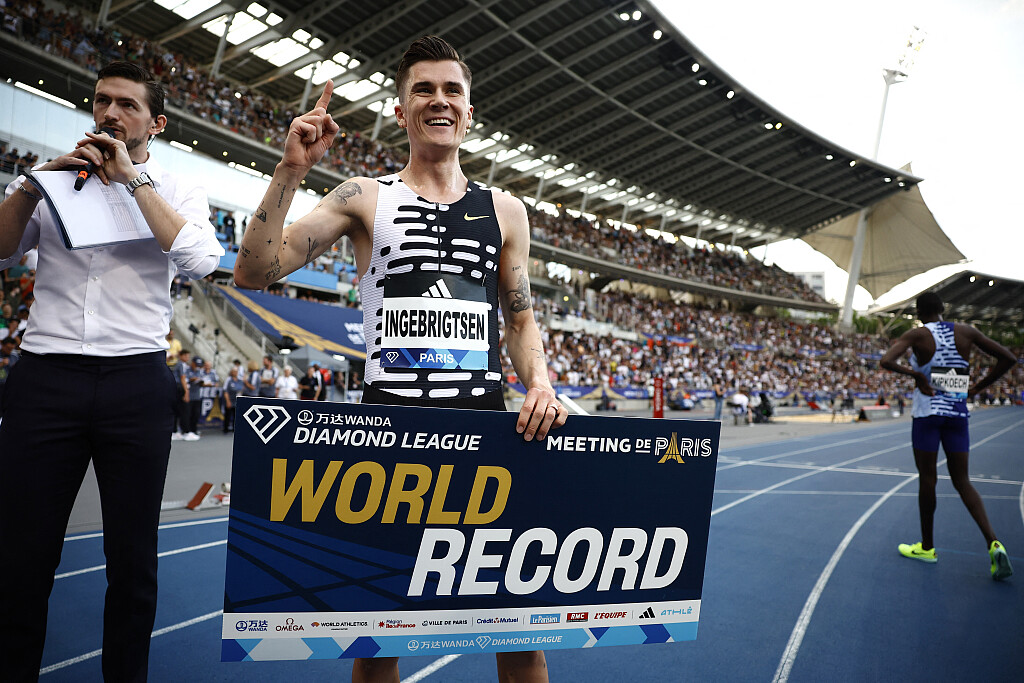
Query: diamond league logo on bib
(434, 322)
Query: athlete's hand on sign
(541, 412)
(923, 385)
(311, 135)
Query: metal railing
(230, 314)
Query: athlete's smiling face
(435, 105)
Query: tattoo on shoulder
(313, 244)
(520, 295)
(261, 214)
(275, 269)
(345, 191)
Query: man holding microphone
(93, 384)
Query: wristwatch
(142, 179)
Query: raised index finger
(325, 97)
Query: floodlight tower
(896, 75)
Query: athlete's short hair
(428, 49)
(134, 72)
(930, 303)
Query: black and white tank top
(430, 295)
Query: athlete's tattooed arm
(342, 193)
(520, 296)
(541, 410)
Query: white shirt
(287, 386)
(114, 300)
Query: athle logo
(676, 449)
(267, 421)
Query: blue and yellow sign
(379, 531)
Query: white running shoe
(177, 436)
(191, 436)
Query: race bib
(953, 382)
(435, 322)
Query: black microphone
(90, 167)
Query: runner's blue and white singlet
(948, 373)
(430, 295)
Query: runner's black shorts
(492, 400)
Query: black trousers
(60, 413)
(195, 411)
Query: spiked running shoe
(1001, 568)
(915, 552)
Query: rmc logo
(267, 421)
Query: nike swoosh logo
(473, 218)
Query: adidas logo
(648, 614)
(438, 290)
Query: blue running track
(803, 580)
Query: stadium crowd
(738, 349)
(255, 115)
(694, 347)
(638, 249)
(70, 35)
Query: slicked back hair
(428, 49)
(929, 303)
(134, 72)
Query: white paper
(94, 216)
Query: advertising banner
(380, 531)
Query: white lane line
(158, 632)
(800, 629)
(99, 534)
(873, 470)
(853, 493)
(166, 553)
(740, 463)
(810, 449)
(798, 477)
(436, 665)
(797, 636)
(1022, 503)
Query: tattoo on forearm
(539, 352)
(244, 251)
(261, 214)
(520, 295)
(275, 269)
(343, 192)
(280, 197)
(313, 244)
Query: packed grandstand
(616, 339)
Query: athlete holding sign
(940, 368)
(436, 254)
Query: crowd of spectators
(638, 249)
(71, 35)
(739, 349)
(13, 162)
(694, 347)
(256, 115)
